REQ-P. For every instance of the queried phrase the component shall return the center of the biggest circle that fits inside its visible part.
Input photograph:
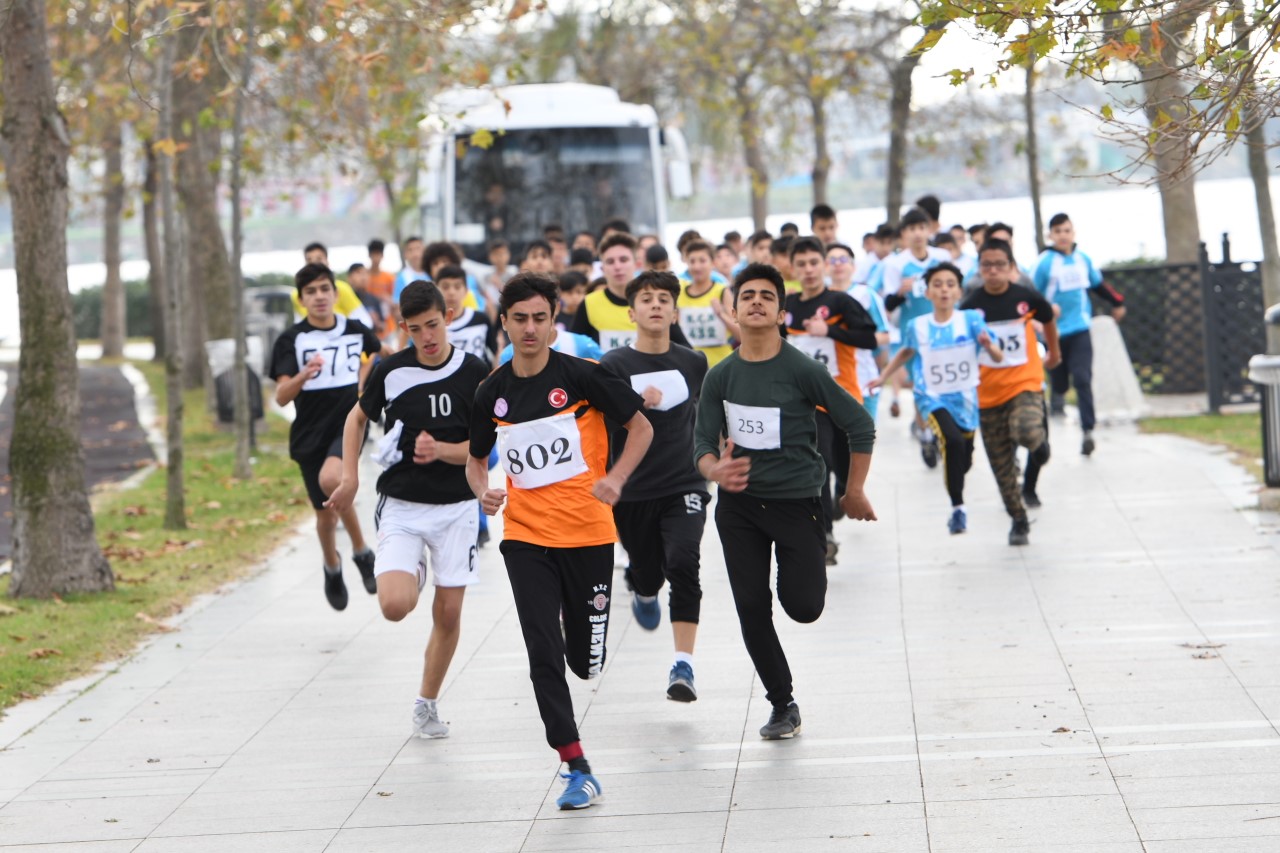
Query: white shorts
(447, 531)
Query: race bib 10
(754, 427)
(542, 452)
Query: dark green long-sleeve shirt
(767, 408)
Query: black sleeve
(484, 432)
(582, 324)
(1041, 308)
(372, 346)
(284, 361)
(613, 363)
(677, 336)
(610, 394)
(491, 337)
(861, 329)
(374, 398)
(893, 300)
(1107, 294)
(697, 373)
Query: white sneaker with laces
(426, 721)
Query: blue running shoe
(680, 685)
(958, 523)
(647, 611)
(581, 790)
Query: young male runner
(762, 400)
(823, 224)
(706, 307)
(318, 365)
(424, 501)
(1066, 276)
(664, 505)
(942, 349)
(1011, 392)
(546, 412)
(840, 272)
(469, 329)
(830, 327)
(604, 315)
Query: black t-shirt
(473, 333)
(436, 400)
(324, 402)
(667, 469)
(1014, 304)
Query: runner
(1066, 275)
(706, 307)
(469, 330)
(318, 365)
(831, 328)
(411, 254)
(822, 221)
(663, 508)
(382, 283)
(942, 349)
(347, 302)
(840, 268)
(1011, 393)
(762, 399)
(573, 289)
(546, 412)
(424, 501)
(726, 260)
(605, 316)
(780, 257)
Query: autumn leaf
(482, 139)
(38, 654)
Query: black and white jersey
(436, 400)
(473, 333)
(325, 400)
(668, 468)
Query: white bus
(568, 154)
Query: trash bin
(221, 354)
(1264, 371)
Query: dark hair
(311, 247)
(616, 239)
(377, 247)
(730, 236)
(944, 238)
(686, 238)
(758, 237)
(557, 237)
(653, 280)
(768, 272)
(957, 225)
(411, 240)
(886, 232)
(931, 206)
(596, 283)
(821, 211)
(996, 226)
(1058, 219)
(351, 270)
(807, 244)
(945, 266)
(831, 246)
(616, 225)
(452, 271)
(997, 245)
(581, 256)
(656, 254)
(699, 245)
(529, 285)
(578, 234)
(437, 251)
(537, 244)
(789, 226)
(870, 235)
(569, 279)
(782, 245)
(725, 247)
(914, 216)
(977, 229)
(419, 297)
(495, 244)
(553, 229)
(310, 273)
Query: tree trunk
(395, 216)
(113, 300)
(753, 150)
(243, 413)
(1033, 153)
(175, 513)
(899, 120)
(55, 550)
(1261, 175)
(155, 257)
(821, 150)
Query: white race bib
(949, 369)
(820, 349)
(612, 339)
(539, 453)
(703, 328)
(1072, 276)
(1011, 337)
(470, 339)
(754, 427)
(670, 382)
(341, 354)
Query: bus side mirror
(679, 171)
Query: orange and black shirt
(1009, 316)
(554, 445)
(849, 328)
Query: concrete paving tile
(880, 827)
(1200, 844)
(308, 841)
(241, 812)
(1005, 778)
(599, 829)
(490, 837)
(1029, 821)
(1207, 821)
(126, 845)
(84, 819)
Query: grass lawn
(1241, 433)
(232, 525)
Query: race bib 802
(542, 452)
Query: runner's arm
(352, 437)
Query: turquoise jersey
(1065, 280)
(943, 352)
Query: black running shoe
(1030, 499)
(929, 453)
(1018, 533)
(335, 590)
(364, 562)
(783, 723)
(1087, 446)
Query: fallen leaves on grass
(134, 511)
(159, 626)
(6, 610)
(39, 654)
(213, 505)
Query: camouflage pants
(1020, 422)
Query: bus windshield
(577, 178)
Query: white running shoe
(426, 721)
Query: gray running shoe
(426, 721)
(783, 723)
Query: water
(1111, 225)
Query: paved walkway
(1115, 687)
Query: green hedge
(86, 306)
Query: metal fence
(1191, 328)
